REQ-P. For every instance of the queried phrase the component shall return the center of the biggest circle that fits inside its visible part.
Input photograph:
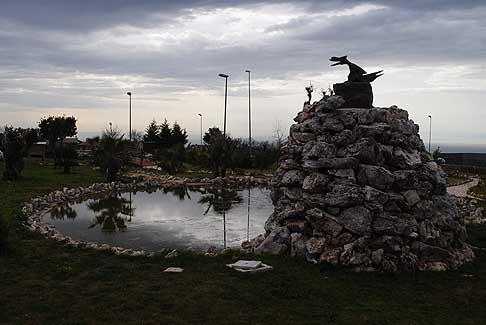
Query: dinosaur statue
(356, 73)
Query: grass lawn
(42, 282)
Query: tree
(171, 159)
(137, 136)
(109, 154)
(278, 133)
(55, 129)
(14, 150)
(68, 157)
(165, 135)
(152, 132)
(215, 145)
(178, 135)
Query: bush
(69, 157)
(111, 154)
(171, 159)
(14, 146)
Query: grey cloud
(42, 47)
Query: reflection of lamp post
(248, 221)
(224, 227)
(130, 208)
(249, 113)
(200, 116)
(430, 131)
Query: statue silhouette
(356, 91)
(356, 73)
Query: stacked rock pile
(356, 187)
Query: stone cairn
(356, 187)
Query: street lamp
(130, 116)
(223, 169)
(225, 76)
(249, 113)
(200, 117)
(430, 131)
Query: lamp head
(199, 114)
(222, 75)
(247, 71)
(129, 93)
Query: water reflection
(220, 199)
(172, 218)
(63, 211)
(112, 212)
(180, 192)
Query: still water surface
(167, 218)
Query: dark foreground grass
(42, 282)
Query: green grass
(42, 282)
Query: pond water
(167, 218)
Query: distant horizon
(450, 147)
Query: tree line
(168, 144)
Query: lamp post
(430, 131)
(200, 118)
(130, 116)
(249, 113)
(225, 76)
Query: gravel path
(461, 190)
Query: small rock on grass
(173, 270)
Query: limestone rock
(277, 242)
(375, 176)
(356, 219)
(356, 187)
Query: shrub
(69, 157)
(14, 146)
(110, 154)
(171, 159)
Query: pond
(179, 218)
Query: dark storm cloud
(93, 14)
(59, 38)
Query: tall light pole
(249, 113)
(430, 131)
(130, 116)
(200, 118)
(223, 169)
(225, 76)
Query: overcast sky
(81, 57)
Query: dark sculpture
(356, 91)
